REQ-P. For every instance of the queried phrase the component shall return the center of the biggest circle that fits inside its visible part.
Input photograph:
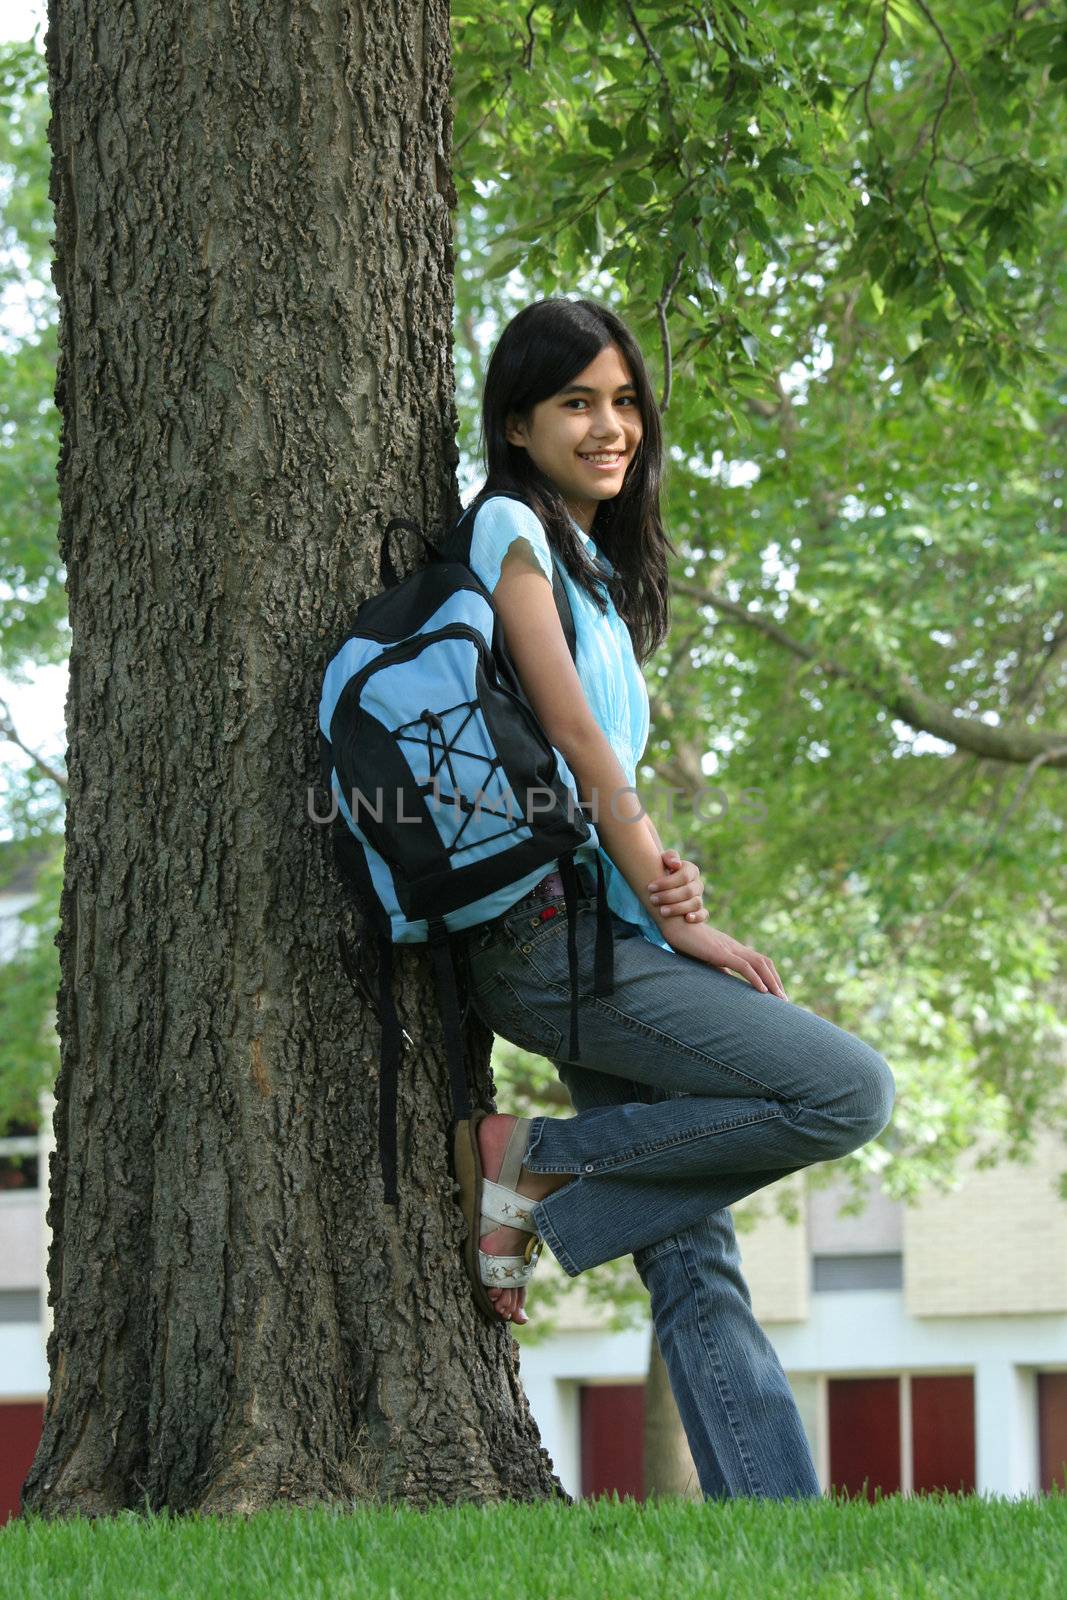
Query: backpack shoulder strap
(563, 606)
(457, 546)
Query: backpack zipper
(363, 632)
(453, 630)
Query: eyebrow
(584, 388)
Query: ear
(514, 432)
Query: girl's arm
(686, 901)
(628, 837)
(537, 645)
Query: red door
(942, 1433)
(21, 1422)
(865, 1435)
(612, 1421)
(1052, 1429)
(865, 1441)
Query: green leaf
(591, 13)
(963, 286)
(498, 266)
(603, 136)
(637, 187)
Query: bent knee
(874, 1090)
(859, 1089)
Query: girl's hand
(680, 892)
(720, 950)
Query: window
(19, 1157)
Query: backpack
(422, 703)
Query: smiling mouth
(602, 458)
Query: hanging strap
(568, 873)
(392, 1036)
(604, 950)
(604, 956)
(442, 955)
(391, 1051)
(387, 573)
(389, 1055)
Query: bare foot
(493, 1134)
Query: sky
(19, 18)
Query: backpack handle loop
(387, 571)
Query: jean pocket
(482, 960)
(527, 921)
(503, 1009)
(532, 933)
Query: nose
(607, 435)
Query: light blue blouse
(607, 667)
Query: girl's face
(585, 437)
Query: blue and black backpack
(450, 800)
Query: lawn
(747, 1549)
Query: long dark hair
(541, 350)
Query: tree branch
(7, 731)
(1016, 744)
(1050, 757)
(661, 306)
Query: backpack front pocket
(446, 785)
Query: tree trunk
(669, 1468)
(254, 265)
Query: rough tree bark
(254, 264)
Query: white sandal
(495, 1201)
(503, 1205)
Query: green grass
(938, 1545)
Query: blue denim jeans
(693, 1089)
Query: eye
(624, 400)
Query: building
(23, 1251)
(926, 1345)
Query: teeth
(611, 455)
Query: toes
(509, 1303)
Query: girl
(699, 1080)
